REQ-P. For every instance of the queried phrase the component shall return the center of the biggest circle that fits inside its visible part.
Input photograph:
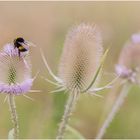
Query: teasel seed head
(81, 57)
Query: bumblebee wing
(27, 44)
(30, 44)
(23, 46)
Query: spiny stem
(14, 118)
(119, 101)
(72, 99)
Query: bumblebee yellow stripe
(20, 47)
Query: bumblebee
(21, 45)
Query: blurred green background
(46, 24)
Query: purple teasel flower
(15, 71)
(128, 66)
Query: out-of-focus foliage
(46, 24)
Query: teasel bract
(80, 65)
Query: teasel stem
(119, 101)
(14, 117)
(71, 102)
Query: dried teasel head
(81, 57)
(81, 61)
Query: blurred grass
(46, 24)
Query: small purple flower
(123, 71)
(15, 71)
(135, 38)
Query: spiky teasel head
(81, 56)
(15, 71)
(81, 60)
(128, 66)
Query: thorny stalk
(119, 101)
(71, 102)
(14, 117)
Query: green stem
(14, 118)
(119, 101)
(72, 99)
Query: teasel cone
(81, 57)
(78, 65)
